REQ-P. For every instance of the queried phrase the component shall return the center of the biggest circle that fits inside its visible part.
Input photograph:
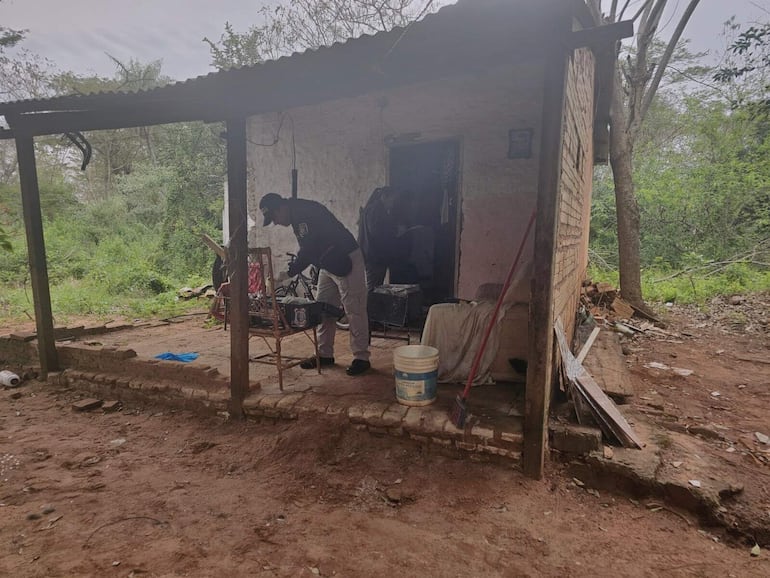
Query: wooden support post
(541, 343)
(238, 252)
(38, 269)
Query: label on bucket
(416, 386)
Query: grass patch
(660, 286)
(77, 298)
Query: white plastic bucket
(416, 370)
(9, 379)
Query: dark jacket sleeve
(380, 234)
(317, 230)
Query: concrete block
(393, 415)
(112, 406)
(269, 401)
(435, 421)
(413, 419)
(287, 401)
(23, 336)
(441, 441)
(482, 435)
(575, 439)
(356, 412)
(419, 438)
(87, 404)
(373, 413)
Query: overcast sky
(77, 34)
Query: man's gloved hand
(294, 269)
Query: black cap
(269, 203)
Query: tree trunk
(626, 207)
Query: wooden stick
(214, 246)
(587, 346)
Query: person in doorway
(379, 235)
(327, 244)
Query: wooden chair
(267, 320)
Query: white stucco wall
(342, 155)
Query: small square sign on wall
(520, 143)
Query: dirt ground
(722, 406)
(152, 492)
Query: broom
(459, 410)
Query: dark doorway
(428, 174)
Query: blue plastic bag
(184, 357)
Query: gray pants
(375, 275)
(350, 293)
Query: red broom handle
(493, 320)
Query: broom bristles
(459, 412)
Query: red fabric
(256, 281)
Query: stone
(112, 405)
(87, 404)
(23, 336)
(731, 491)
(575, 439)
(705, 432)
(394, 494)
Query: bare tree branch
(663, 63)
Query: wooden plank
(601, 36)
(604, 409)
(38, 268)
(238, 265)
(541, 344)
(605, 363)
(214, 246)
(622, 309)
(587, 345)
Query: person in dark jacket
(327, 244)
(378, 235)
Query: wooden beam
(214, 246)
(587, 345)
(33, 224)
(60, 122)
(601, 36)
(238, 265)
(541, 342)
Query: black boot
(311, 364)
(358, 367)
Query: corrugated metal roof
(220, 74)
(468, 34)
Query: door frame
(457, 212)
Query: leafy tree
(20, 77)
(195, 156)
(638, 76)
(115, 151)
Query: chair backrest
(263, 304)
